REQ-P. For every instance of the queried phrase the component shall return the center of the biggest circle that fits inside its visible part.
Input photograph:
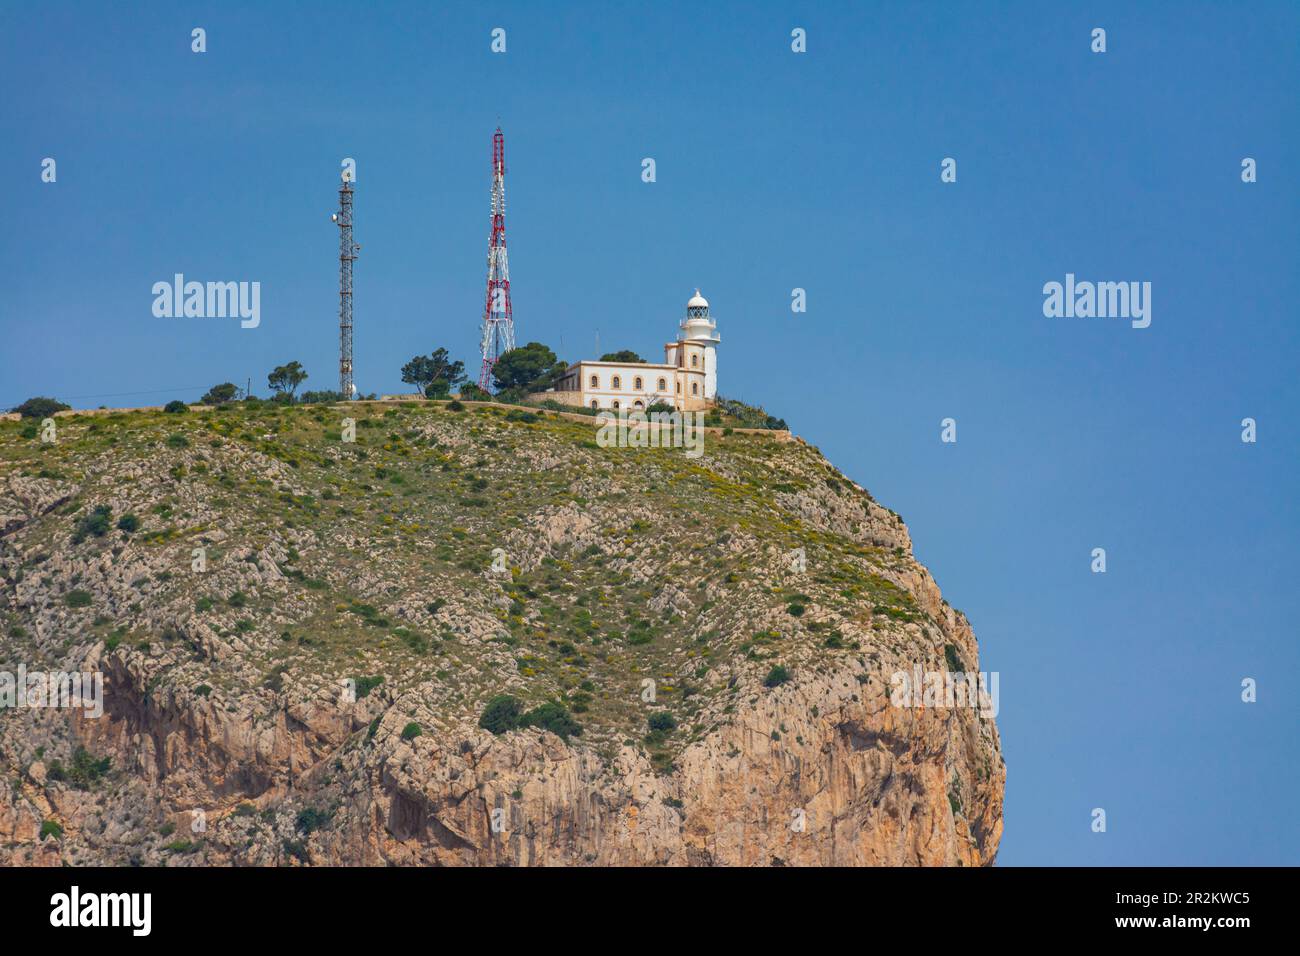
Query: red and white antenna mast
(498, 320)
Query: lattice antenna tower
(347, 255)
(498, 318)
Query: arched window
(695, 361)
(595, 404)
(614, 403)
(615, 383)
(695, 388)
(638, 404)
(595, 381)
(663, 385)
(636, 383)
(679, 387)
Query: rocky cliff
(470, 637)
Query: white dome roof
(697, 301)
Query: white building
(687, 379)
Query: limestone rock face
(852, 781)
(725, 637)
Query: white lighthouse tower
(698, 328)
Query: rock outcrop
(298, 638)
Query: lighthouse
(699, 329)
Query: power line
(155, 391)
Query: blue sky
(775, 171)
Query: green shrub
(662, 721)
(368, 613)
(777, 676)
(274, 680)
(203, 604)
(51, 828)
(554, 717)
(310, 819)
(78, 598)
(501, 714)
(411, 731)
(40, 407)
(84, 772)
(176, 407)
(96, 524)
(416, 642)
(366, 684)
(745, 416)
(177, 441)
(128, 523)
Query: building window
(595, 404)
(679, 388)
(695, 388)
(638, 404)
(663, 385)
(595, 381)
(615, 383)
(614, 403)
(636, 383)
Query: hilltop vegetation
(470, 568)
